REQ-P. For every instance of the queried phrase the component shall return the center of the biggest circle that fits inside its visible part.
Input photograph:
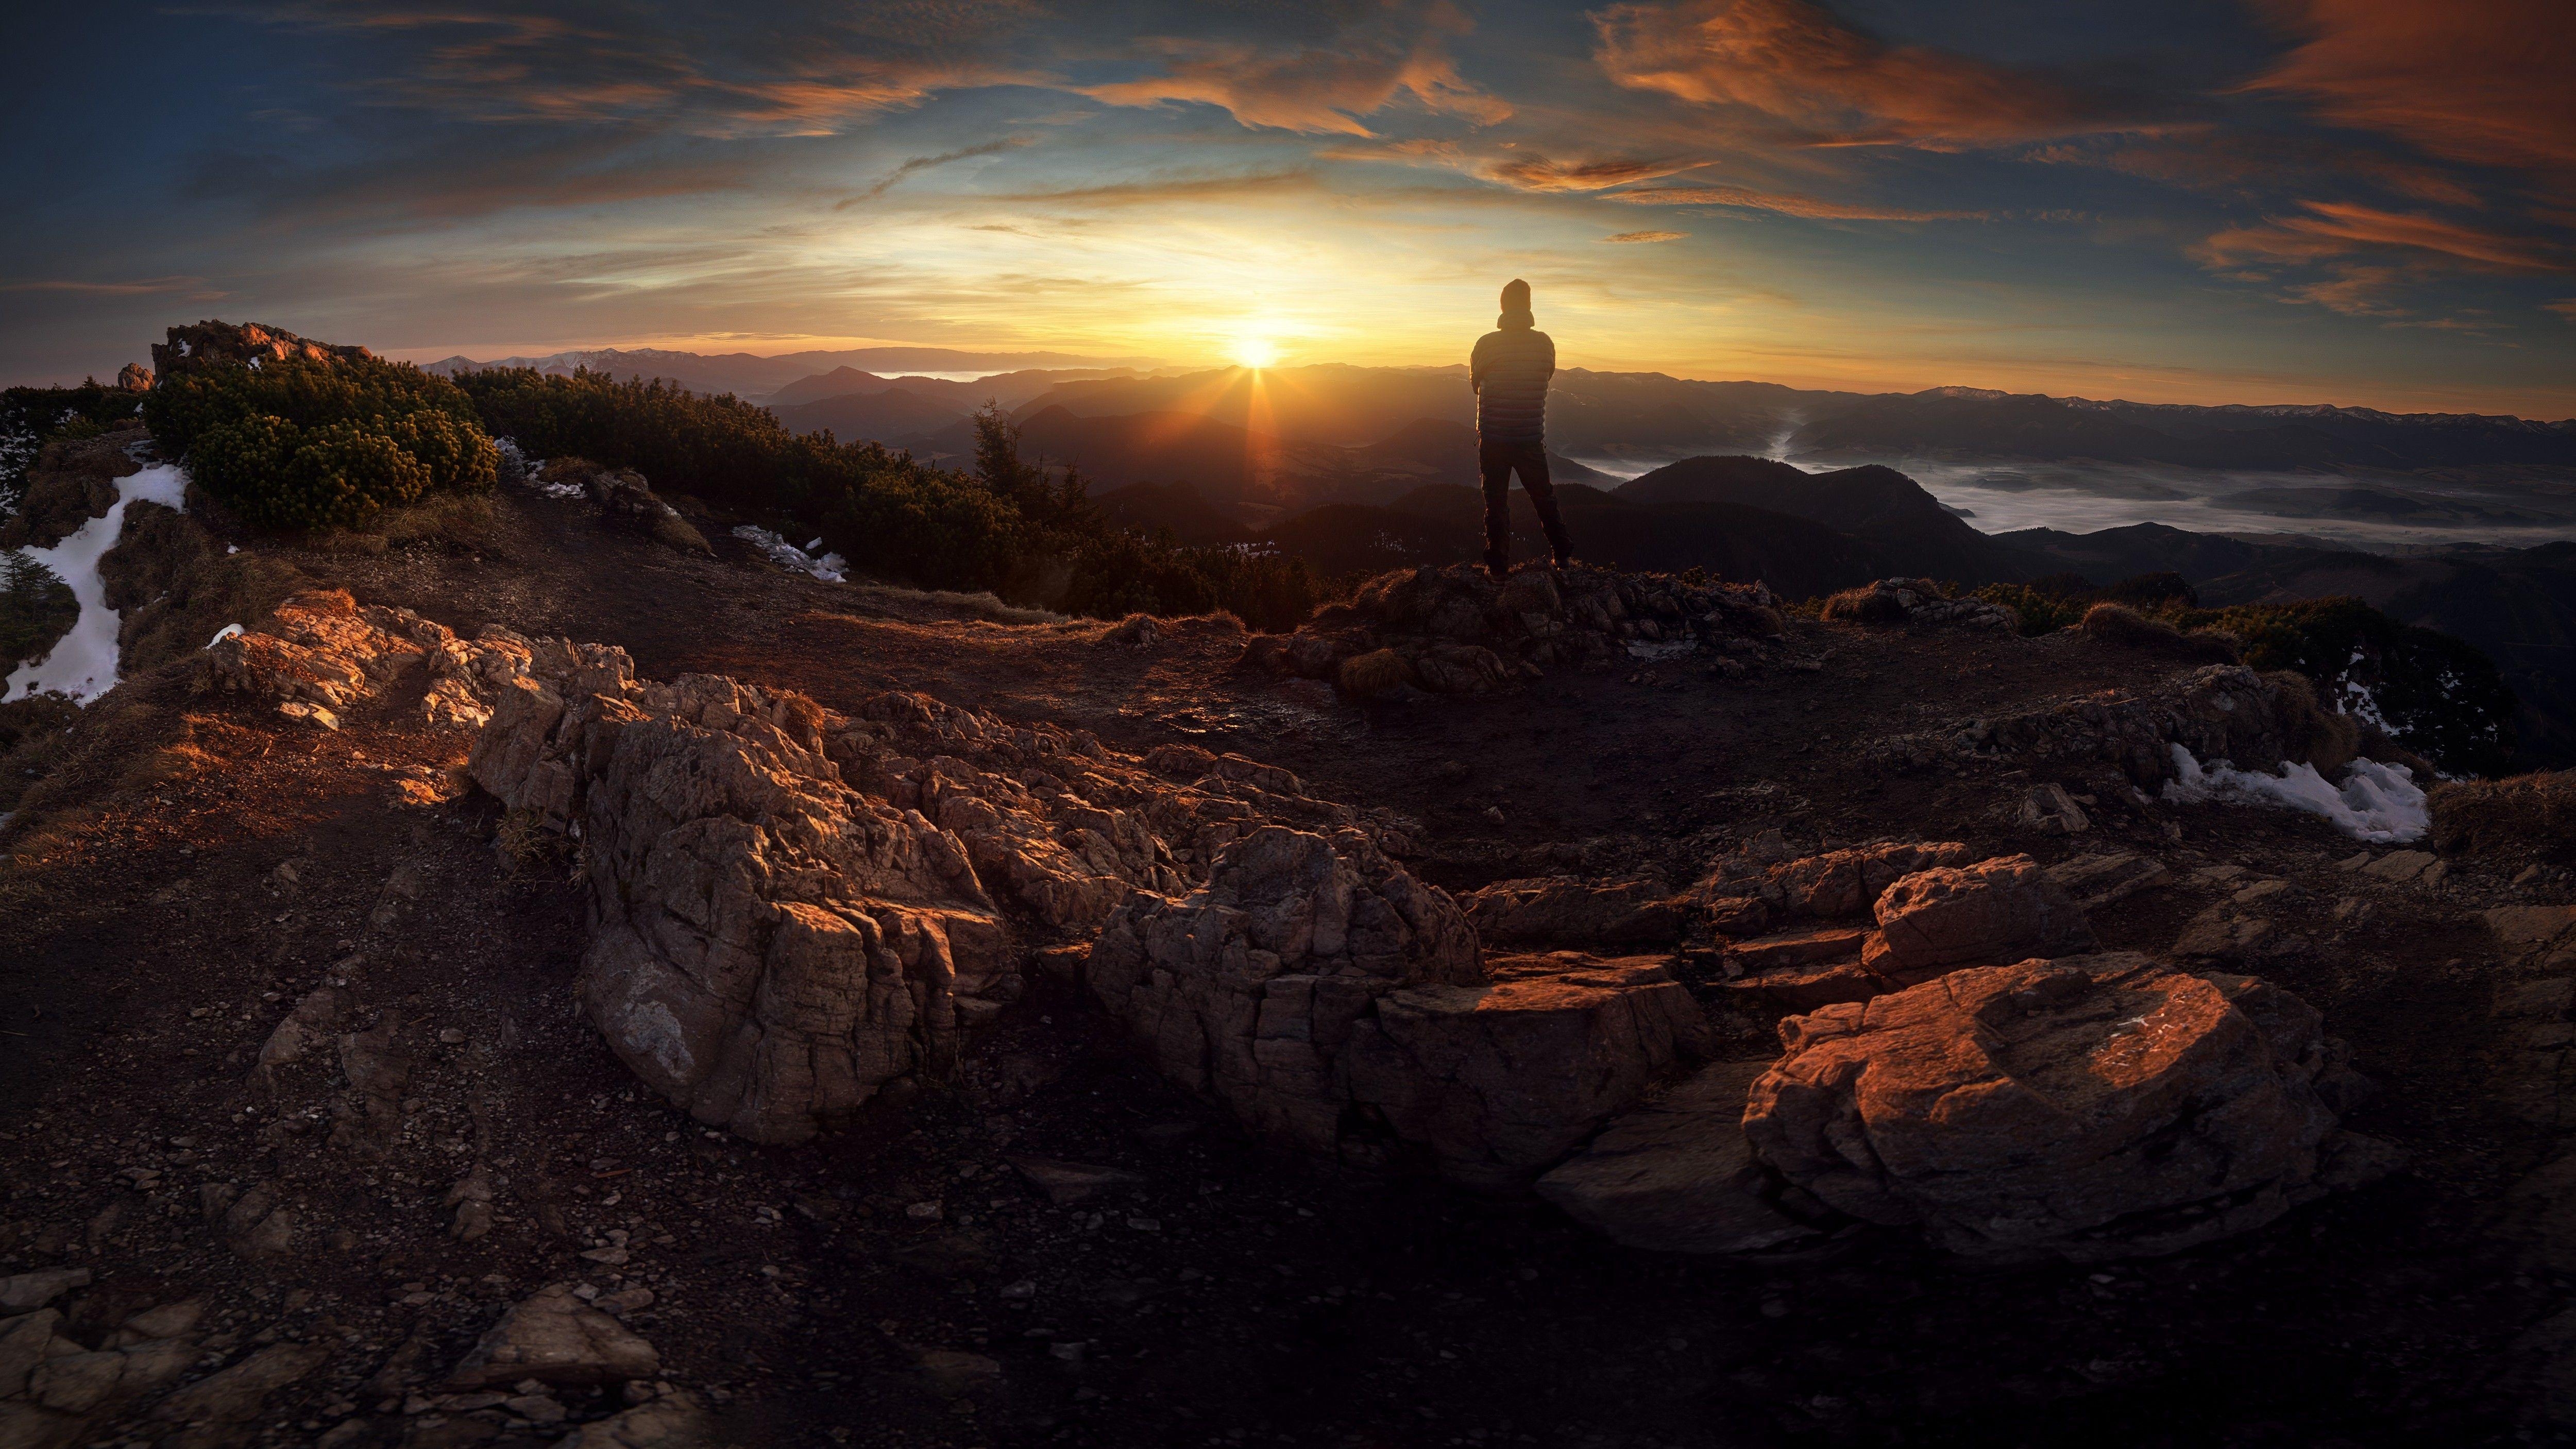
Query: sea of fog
(2375, 511)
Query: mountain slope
(1878, 505)
(893, 412)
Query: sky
(2362, 202)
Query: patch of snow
(82, 664)
(2377, 803)
(560, 490)
(831, 568)
(224, 633)
(232, 548)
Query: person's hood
(1517, 317)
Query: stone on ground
(1999, 910)
(554, 1338)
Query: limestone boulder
(1676, 1175)
(2006, 909)
(2083, 1110)
(1247, 988)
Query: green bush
(2437, 695)
(31, 417)
(298, 443)
(2040, 613)
(36, 609)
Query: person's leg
(1531, 461)
(1495, 462)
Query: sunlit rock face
(2089, 1108)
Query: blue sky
(2354, 201)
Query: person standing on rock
(1510, 371)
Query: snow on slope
(2377, 803)
(82, 664)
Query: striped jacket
(1511, 369)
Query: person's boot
(1498, 566)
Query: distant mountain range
(1651, 417)
(748, 375)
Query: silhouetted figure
(1510, 370)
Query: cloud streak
(919, 164)
(2483, 83)
(1798, 65)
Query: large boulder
(1331, 1001)
(1498, 1080)
(2082, 1109)
(2006, 909)
(1248, 987)
(1676, 1175)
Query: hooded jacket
(1510, 368)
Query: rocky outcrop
(2085, 1109)
(1336, 1005)
(1458, 630)
(1761, 888)
(1564, 911)
(321, 651)
(211, 344)
(1676, 1174)
(793, 907)
(1998, 910)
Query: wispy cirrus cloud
(1785, 203)
(1800, 66)
(2483, 83)
(1637, 238)
(667, 66)
(918, 164)
(2338, 228)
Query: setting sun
(1256, 353)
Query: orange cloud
(2335, 228)
(1630, 238)
(1538, 173)
(2485, 82)
(1786, 203)
(1796, 63)
(1319, 89)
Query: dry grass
(1865, 605)
(2324, 738)
(2123, 627)
(2522, 815)
(1373, 673)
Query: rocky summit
(576, 970)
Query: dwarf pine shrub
(298, 443)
